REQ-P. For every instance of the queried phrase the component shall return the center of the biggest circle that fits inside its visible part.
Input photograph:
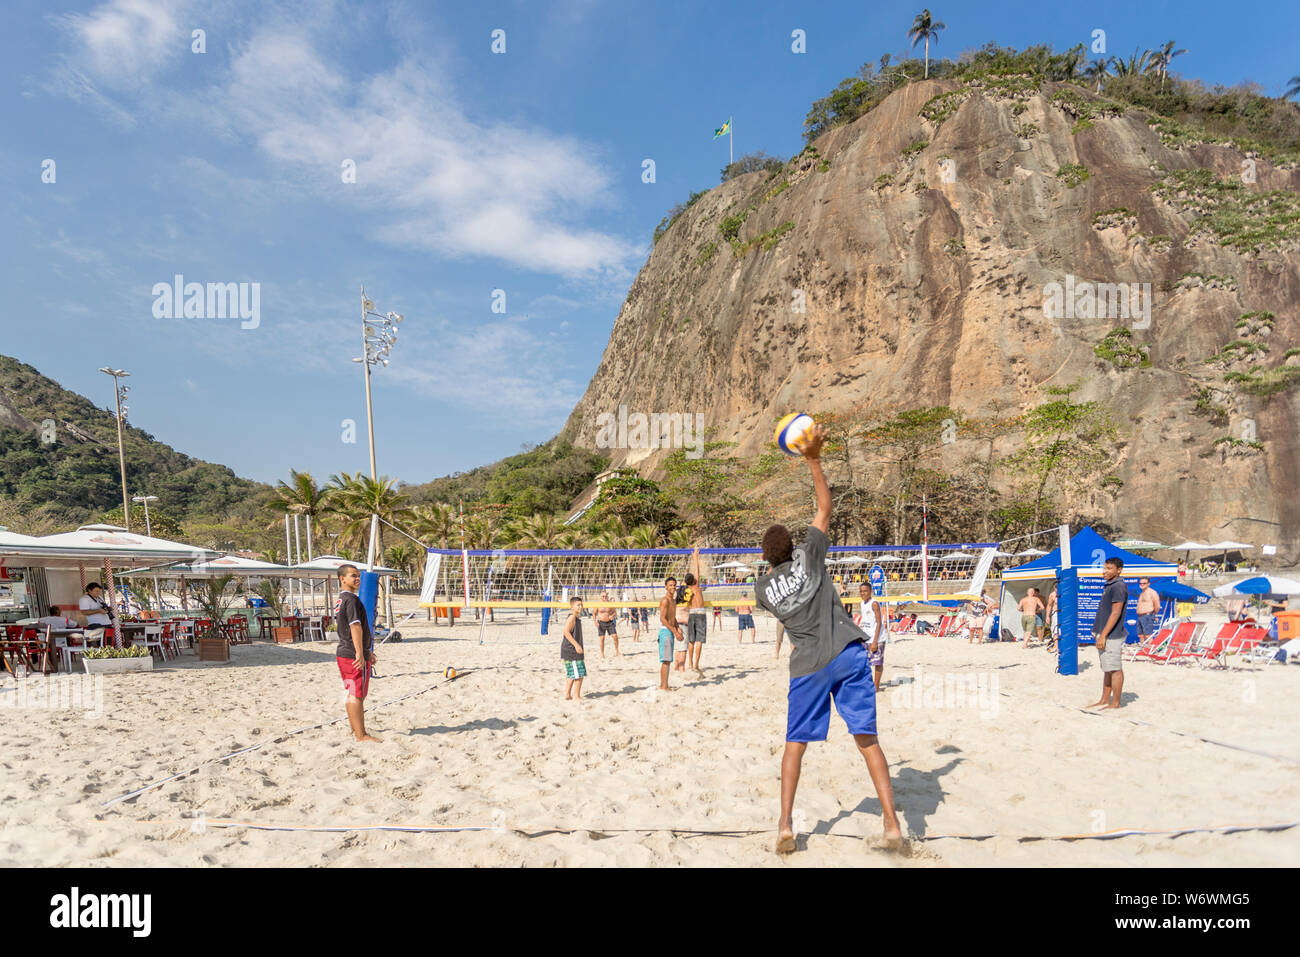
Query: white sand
(500, 745)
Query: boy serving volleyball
(829, 660)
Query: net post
(1065, 546)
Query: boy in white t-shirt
(868, 619)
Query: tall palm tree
(302, 496)
(680, 538)
(354, 498)
(1097, 70)
(1163, 57)
(1294, 88)
(924, 28)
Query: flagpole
(731, 140)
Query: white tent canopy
(225, 565)
(1229, 544)
(1189, 546)
(97, 544)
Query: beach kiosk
(1079, 583)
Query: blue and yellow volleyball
(792, 431)
(449, 672)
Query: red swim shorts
(356, 680)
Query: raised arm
(812, 451)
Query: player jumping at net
(828, 656)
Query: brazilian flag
(723, 130)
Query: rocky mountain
(945, 249)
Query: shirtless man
(669, 631)
(607, 624)
(1148, 609)
(745, 620)
(1030, 609)
(697, 629)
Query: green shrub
(916, 147)
(1240, 218)
(131, 651)
(883, 180)
(730, 225)
(1118, 349)
(1072, 174)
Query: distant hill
(55, 485)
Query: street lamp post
(119, 393)
(148, 530)
(378, 333)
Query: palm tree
(355, 498)
(923, 28)
(1134, 65)
(539, 531)
(1163, 57)
(436, 524)
(302, 496)
(1097, 70)
(680, 537)
(1294, 88)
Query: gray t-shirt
(802, 597)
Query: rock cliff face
(907, 260)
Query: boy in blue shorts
(828, 658)
(669, 631)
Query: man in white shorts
(868, 619)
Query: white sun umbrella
(953, 556)
(1188, 546)
(889, 558)
(854, 560)
(1137, 544)
(730, 565)
(1030, 553)
(327, 566)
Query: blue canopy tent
(1078, 602)
(1172, 592)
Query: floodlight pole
(148, 530)
(121, 456)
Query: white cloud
(125, 42)
(434, 174)
(452, 184)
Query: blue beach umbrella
(1259, 585)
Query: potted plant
(214, 603)
(271, 591)
(100, 661)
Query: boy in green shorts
(575, 666)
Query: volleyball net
(634, 578)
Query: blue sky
(474, 172)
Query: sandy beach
(983, 741)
